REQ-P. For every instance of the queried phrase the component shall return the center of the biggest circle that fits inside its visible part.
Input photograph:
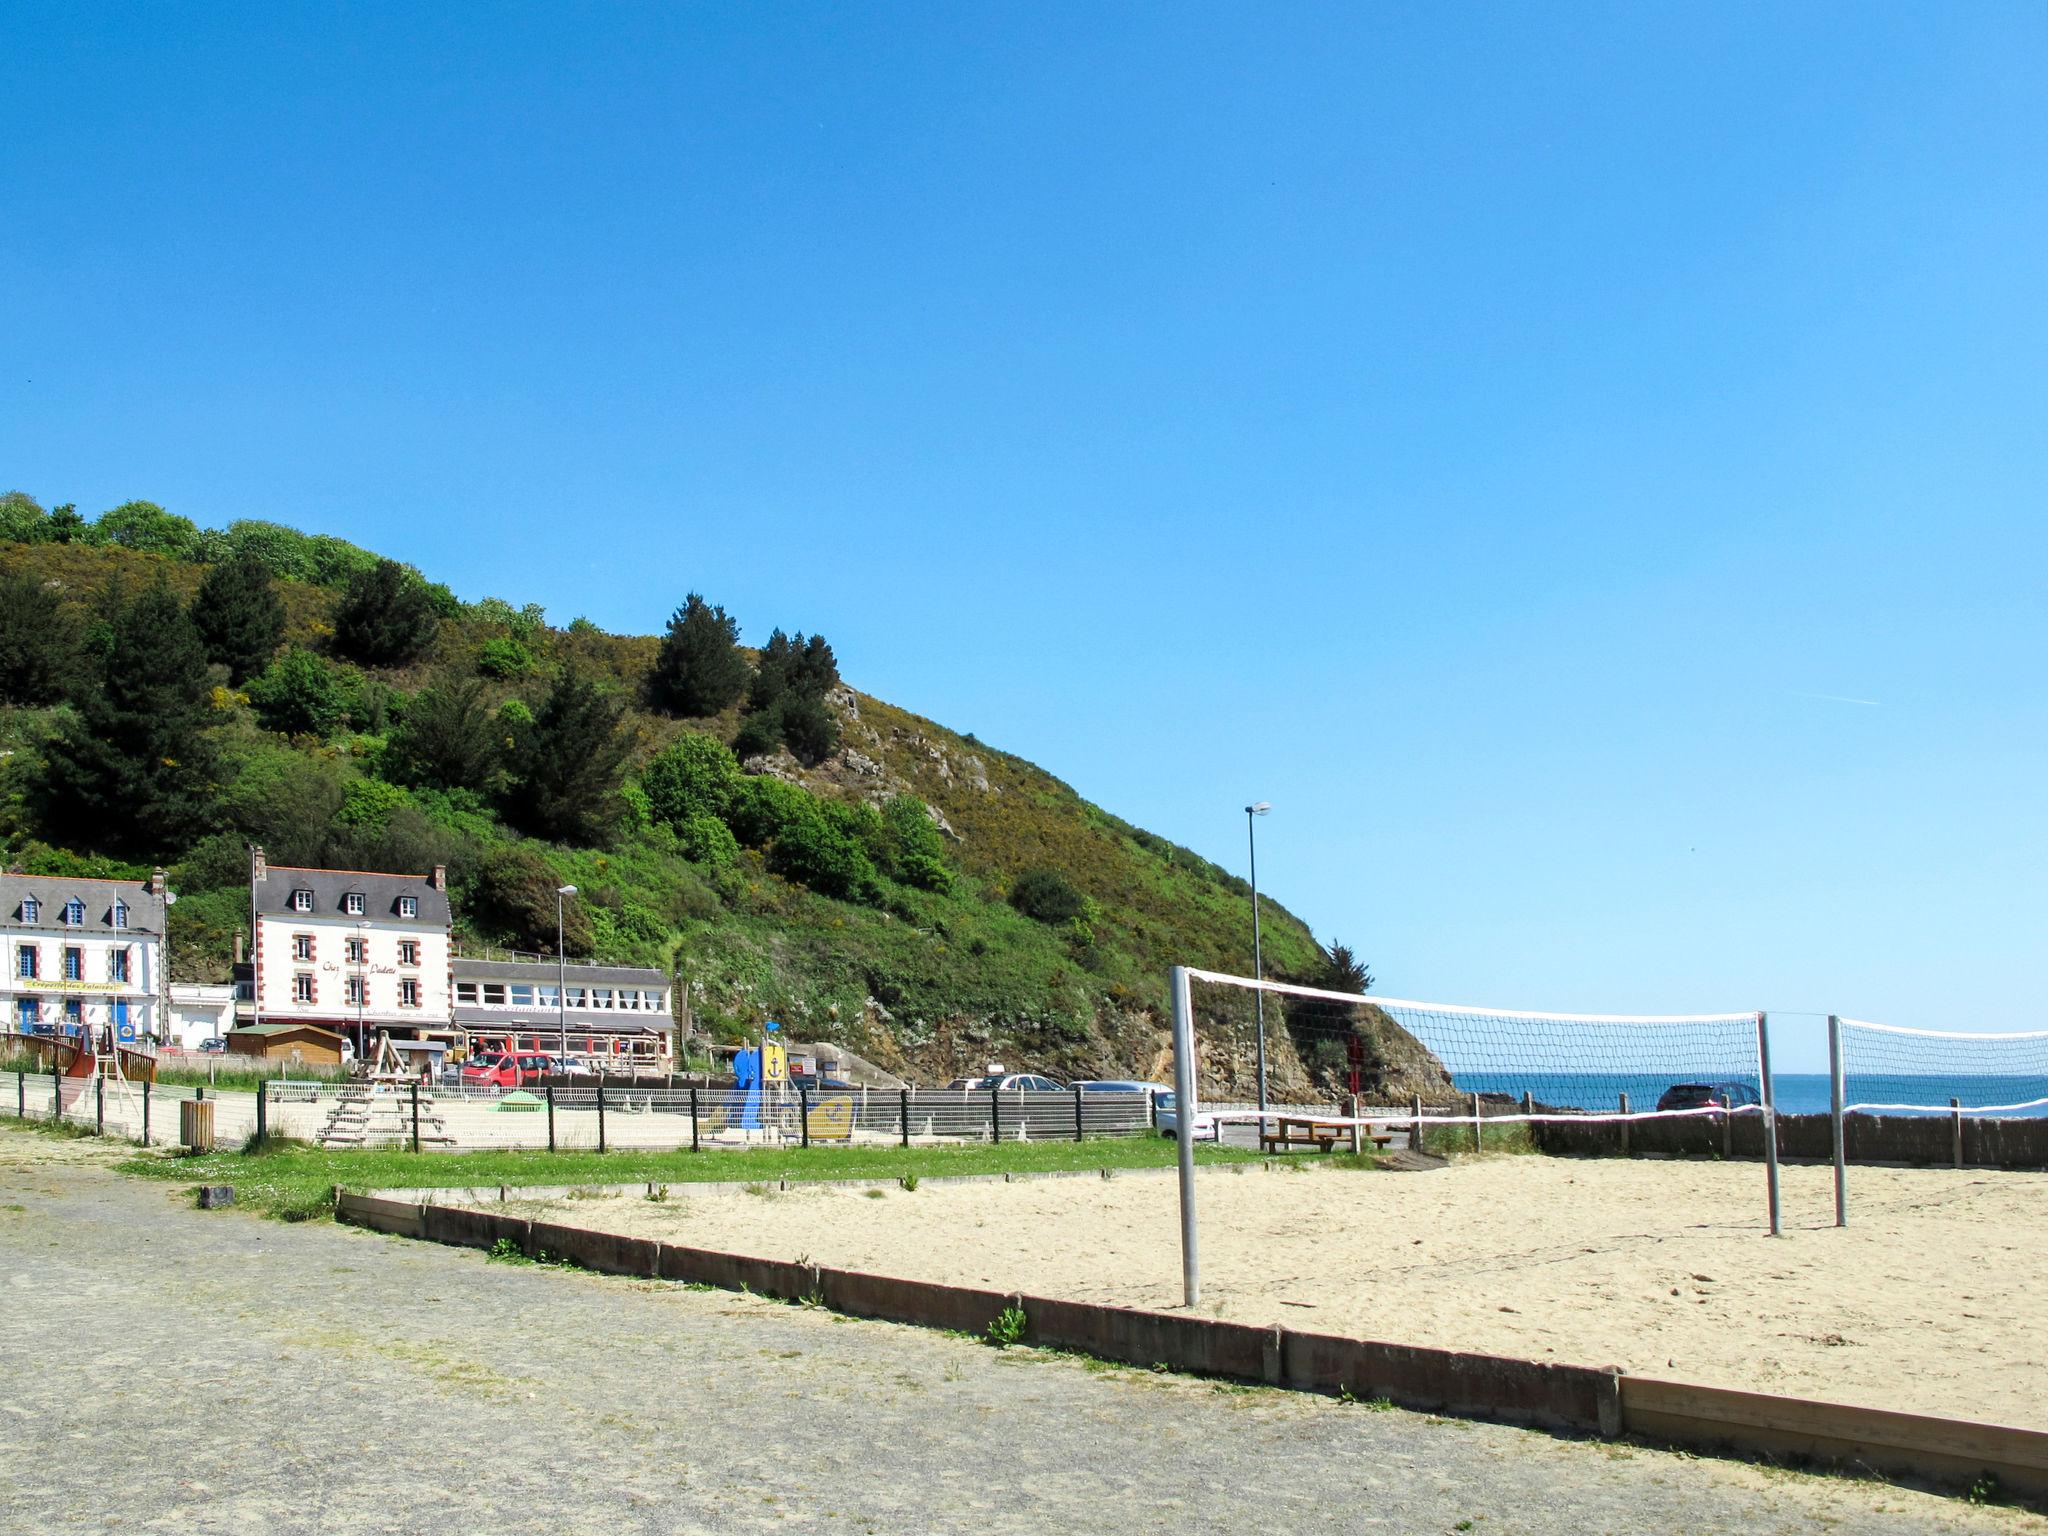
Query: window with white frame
(408, 906)
(302, 946)
(465, 992)
(302, 901)
(408, 991)
(494, 994)
(352, 991)
(302, 988)
(522, 996)
(408, 951)
(352, 903)
(354, 948)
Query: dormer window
(352, 903)
(302, 901)
(74, 913)
(408, 906)
(29, 908)
(120, 914)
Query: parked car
(214, 1047)
(1708, 1096)
(1117, 1085)
(1009, 1082)
(1166, 1109)
(513, 1070)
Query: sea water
(1797, 1093)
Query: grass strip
(296, 1182)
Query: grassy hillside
(926, 980)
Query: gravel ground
(177, 1371)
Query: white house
(83, 954)
(352, 951)
(198, 1012)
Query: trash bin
(195, 1124)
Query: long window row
(31, 965)
(498, 994)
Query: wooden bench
(1289, 1131)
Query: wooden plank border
(1574, 1399)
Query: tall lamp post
(562, 974)
(1252, 813)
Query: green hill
(874, 878)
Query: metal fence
(429, 1117)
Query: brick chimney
(156, 883)
(439, 878)
(238, 946)
(258, 870)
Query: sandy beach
(1932, 1300)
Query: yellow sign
(774, 1062)
(832, 1118)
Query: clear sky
(1584, 464)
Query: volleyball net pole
(1184, 1130)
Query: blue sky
(1585, 465)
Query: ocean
(1797, 1093)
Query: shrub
(765, 807)
(825, 858)
(706, 840)
(501, 656)
(370, 803)
(304, 694)
(697, 776)
(809, 729)
(1048, 896)
(916, 848)
(449, 737)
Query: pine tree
(386, 618)
(566, 766)
(450, 737)
(38, 642)
(239, 616)
(131, 773)
(699, 669)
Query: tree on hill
(132, 771)
(67, 527)
(38, 642)
(387, 616)
(239, 616)
(145, 526)
(450, 738)
(786, 701)
(699, 669)
(22, 518)
(567, 765)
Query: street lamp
(1251, 814)
(562, 974)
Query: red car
(508, 1071)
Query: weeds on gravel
(1007, 1328)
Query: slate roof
(380, 894)
(52, 892)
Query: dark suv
(1708, 1096)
